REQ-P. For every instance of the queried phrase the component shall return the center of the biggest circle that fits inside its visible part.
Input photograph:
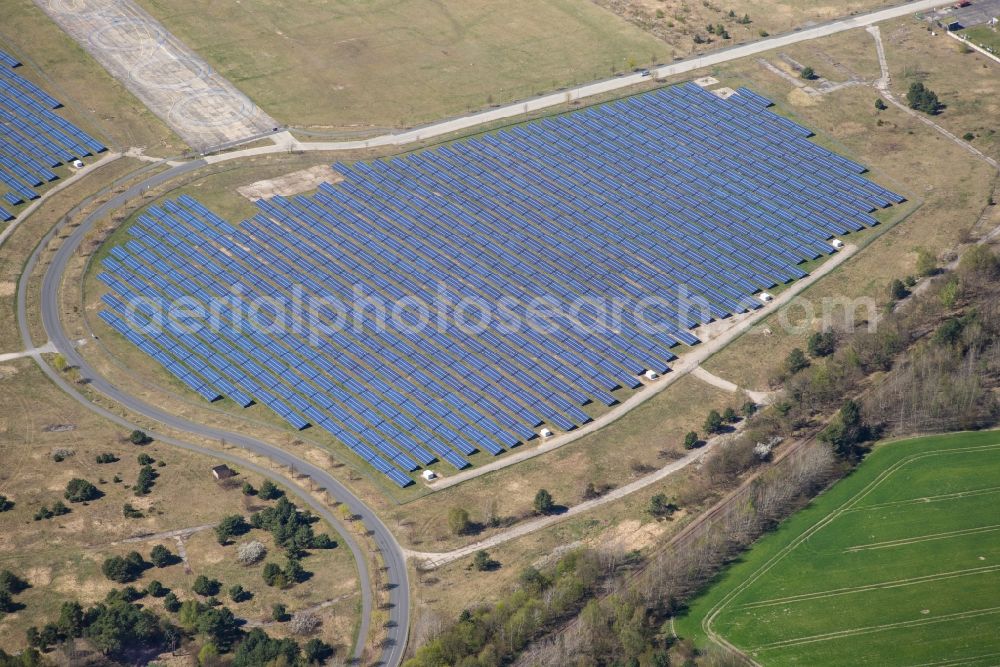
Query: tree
(923, 99)
(304, 623)
(208, 655)
(80, 490)
(927, 264)
(145, 459)
(660, 506)
(156, 589)
(205, 587)
(749, 408)
(879, 104)
(543, 502)
(259, 649)
(847, 431)
(144, 482)
(138, 437)
(249, 553)
(317, 652)
(796, 361)
(248, 489)
(279, 612)
(123, 570)
(161, 556)
(808, 73)
(690, 440)
(221, 626)
(58, 508)
(483, 563)
(729, 416)
(268, 491)
(6, 504)
(897, 290)
(238, 594)
(71, 619)
(713, 422)
(821, 344)
(324, 541)
(230, 526)
(458, 520)
(11, 583)
(171, 603)
(130, 512)
(273, 576)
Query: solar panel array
(672, 193)
(33, 139)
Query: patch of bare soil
(295, 183)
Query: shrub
(483, 563)
(238, 594)
(161, 556)
(273, 576)
(138, 438)
(690, 440)
(923, 99)
(230, 526)
(145, 459)
(749, 408)
(729, 416)
(144, 482)
(156, 589)
(897, 290)
(268, 491)
(458, 520)
(304, 623)
(543, 502)
(968, 136)
(106, 457)
(6, 503)
(796, 361)
(205, 587)
(248, 489)
(249, 553)
(122, 570)
(80, 490)
(660, 506)
(317, 652)
(58, 508)
(713, 422)
(808, 73)
(821, 343)
(130, 512)
(324, 541)
(880, 104)
(279, 612)
(171, 603)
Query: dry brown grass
(62, 556)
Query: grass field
(898, 564)
(343, 65)
(984, 36)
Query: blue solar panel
(636, 202)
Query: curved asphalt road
(392, 553)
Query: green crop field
(898, 564)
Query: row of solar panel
(622, 201)
(33, 139)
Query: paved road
(395, 563)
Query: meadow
(897, 564)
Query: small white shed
(428, 475)
(545, 433)
(652, 375)
(765, 297)
(837, 244)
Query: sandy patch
(849, 129)
(800, 98)
(294, 183)
(39, 576)
(7, 288)
(631, 535)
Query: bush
(749, 408)
(138, 438)
(324, 541)
(880, 104)
(273, 576)
(796, 361)
(106, 457)
(543, 502)
(161, 556)
(58, 508)
(171, 603)
(156, 589)
(11, 583)
(483, 563)
(145, 459)
(279, 612)
(458, 520)
(317, 652)
(821, 344)
(808, 73)
(206, 587)
(923, 99)
(897, 290)
(660, 506)
(144, 482)
(6, 503)
(249, 553)
(80, 490)
(690, 440)
(713, 422)
(130, 512)
(729, 416)
(268, 491)
(248, 489)
(927, 264)
(968, 136)
(230, 526)
(238, 594)
(304, 623)
(123, 570)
